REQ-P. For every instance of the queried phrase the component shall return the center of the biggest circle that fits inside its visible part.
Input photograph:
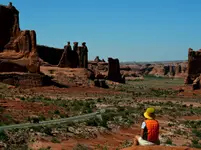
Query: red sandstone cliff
(16, 46)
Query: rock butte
(194, 67)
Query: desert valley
(58, 99)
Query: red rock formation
(194, 67)
(114, 71)
(66, 56)
(171, 70)
(196, 83)
(78, 57)
(125, 68)
(99, 68)
(9, 26)
(83, 56)
(178, 69)
(100, 83)
(8, 66)
(21, 46)
(34, 63)
(16, 46)
(25, 80)
(158, 70)
(47, 53)
(97, 59)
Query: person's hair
(153, 115)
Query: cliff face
(17, 46)
(12, 39)
(9, 26)
(114, 71)
(49, 54)
(194, 67)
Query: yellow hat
(149, 113)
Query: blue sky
(131, 30)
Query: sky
(131, 30)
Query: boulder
(99, 76)
(196, 83)
(34, 63)
(96, 83)
(100, 83)
(90, 74)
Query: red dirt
(73, 90)
(191, 117)
(158, 148)
(188, 92)
(113, 140)
(20, 110)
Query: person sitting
(149, 130)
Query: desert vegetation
(123, 107)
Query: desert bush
(196, 132)
(168, 141)
(81, 147)
(192, 124)
(55, 140)
(3, 136)
(48, 148)
(126, 143)
(195, 143)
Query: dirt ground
(115, 139)
(19, 108)
(112, 139)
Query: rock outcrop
(8, 66)
(9, 26)
(65, 60)
(25, 80)
(196, 83)
(47, 53)
(34, 63)
(171, 69)
(97, 59)
(76, 58)
(194, 67)
(16, 46)
(100, 83)
(158, 70)
(114, 71)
